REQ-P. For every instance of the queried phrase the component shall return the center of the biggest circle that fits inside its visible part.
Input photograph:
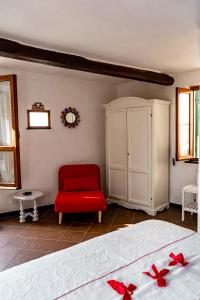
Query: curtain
(6, 157)
(5, 114)
(6, 167)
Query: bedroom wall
(44, 151)
(181, 174)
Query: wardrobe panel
(116, 155)
(139, 188)
(139, 155)
(139, 138)
(117, 183)
(116, 138)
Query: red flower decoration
(161, 282)
(178, 259)
(122, 289)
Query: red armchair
(79, 190)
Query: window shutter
(9, 134)
(184, 123)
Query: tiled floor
(22, 242)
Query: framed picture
(38, 117)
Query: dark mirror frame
(70, 110)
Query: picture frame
(38, 117)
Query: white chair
(190, 206)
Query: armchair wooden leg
(99, 216)
(60, 218)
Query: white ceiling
(161, 35)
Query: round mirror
(70, 117)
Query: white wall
(44, 151)
(181, 174)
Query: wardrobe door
(139, 155)
(116, 153)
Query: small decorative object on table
(28, 196)
(27, 193)
(70, 117)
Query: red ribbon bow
(178, 259)
(121, 289)
(161, 282)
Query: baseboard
(15, 212)
(175, 205)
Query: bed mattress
(82, 271)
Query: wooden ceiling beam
(15, 50)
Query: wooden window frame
(15, 138)
(189, 91)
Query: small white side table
(191, 206)
(21, 198)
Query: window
(196, 121)
(187, 123)
(9, 134)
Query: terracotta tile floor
(23, 242)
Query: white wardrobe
(137, 153)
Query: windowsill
(192, 161)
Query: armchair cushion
(78, 171)
(82, 201)
(82, 183)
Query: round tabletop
(33, 196)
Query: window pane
(184, 140)
(197, 121)
(6, 114)
(184, 109)
(6, 167)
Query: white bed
(81, 272)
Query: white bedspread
(81, 272)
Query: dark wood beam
(20, 51)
